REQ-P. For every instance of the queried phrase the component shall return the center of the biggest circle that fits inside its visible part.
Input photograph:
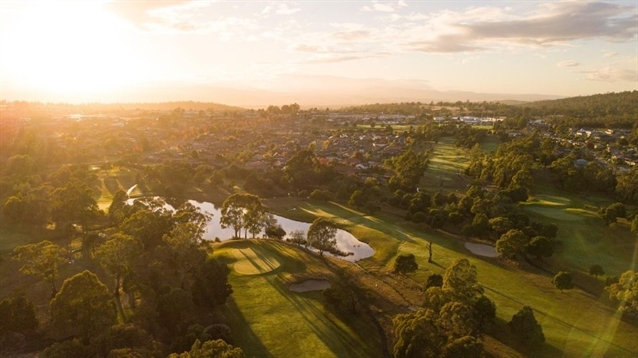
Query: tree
(124, 340)
(183, 249)
(461, 279)
(210, 287)
(405, 264)
(275, 231)
(72, 348)
(358, 199)
(298, 237)
(634, 224)
(148, 224)
(321, 235)
(434, 280)
(540, 246)
(563, 281)
(176, 311)
(83, 308)
(417, 335)
(320, 195)
(211, 349)
(116, 256)
(501, 225)
(526, 329)
(511, 244)
(115, 209)
(14, 209)
(596, 270)
(343, 296)
(18, 315)
(74, 203)
(464, 347)
(484, 312)
(626, 292)
(243, 211)
(232, 213)
(41, 259)
(430, 247)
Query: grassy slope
(276, 322)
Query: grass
(447, 163)
(268, 320)
(112, 180)
(491, 143)
(572, 321)
(576, 323)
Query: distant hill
(160, 106)
(611, 110)
(599, 105)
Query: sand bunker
(310, 285)
(481, 249)
(250, 262)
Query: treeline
(610, 110)
(513, 162)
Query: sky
(253, 52)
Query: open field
(269, 320)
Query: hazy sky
(97, 50)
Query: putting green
(250, 262)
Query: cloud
(568, 64)
(610, 54)
(385, 6)
(548, 25)
(330, 59)
(142, 12)
(612, 74)
(283, 9)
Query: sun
(72, 48)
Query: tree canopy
(321, 235)
(83, 308)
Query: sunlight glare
(71, 47)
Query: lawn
(268, 320)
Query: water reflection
(346, 242)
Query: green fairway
(445, 171)
(491, 143)
(251, 262)
(268, 320)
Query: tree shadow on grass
(243, 335)
(324, 325)
(500, 331)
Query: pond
(346, 242)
